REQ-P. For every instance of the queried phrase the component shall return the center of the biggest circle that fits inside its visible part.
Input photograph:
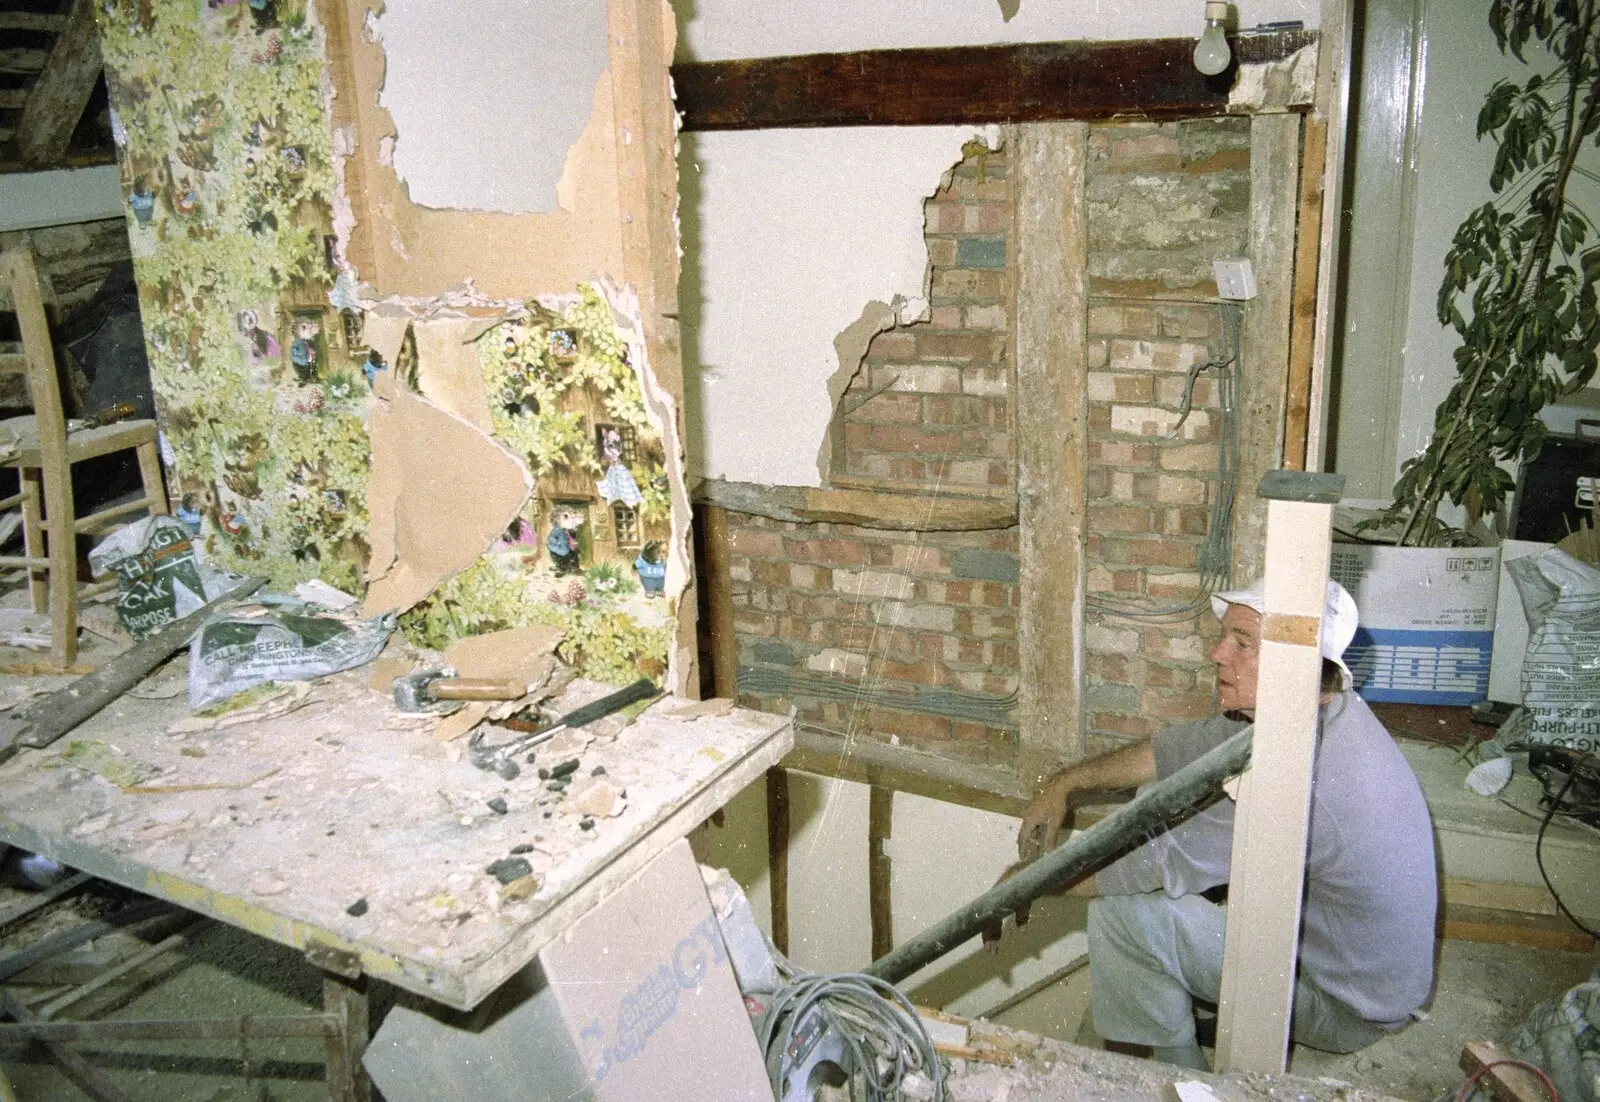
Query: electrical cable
(1472, 1081)
(880, 1029)
(1215, 557)
(1538, 856)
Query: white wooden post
(1269, 837)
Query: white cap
(1338, 618)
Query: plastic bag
(1561, 673)
(161, 576)
(235, 652)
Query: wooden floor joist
(905, 512)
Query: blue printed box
(1427, 620)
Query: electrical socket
(1235, 278)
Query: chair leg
(33, 535)
(150, 474)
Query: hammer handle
(476, 688)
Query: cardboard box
(1427, 620)
(635, 1002)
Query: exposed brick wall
(1163, 201)
(834, 608)
(940, 408)
(888, 612)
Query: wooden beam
(59, 95)
(31, 21)
(919, 512)
(1028, 82)
(880, 869)
(13, 97)
(1274, 805)
(22, 60)
(1458, 922)
(1331, 104)
(1048, 164)
(1487, 1061)
(1303, 307)
(641, 34)
(1264, 357)
(903, 769)
(778, 856)
(719, 603)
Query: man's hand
(1041, 822)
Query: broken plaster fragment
(509, 869)
(600, 800)
(268, 882)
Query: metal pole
(1067, 863)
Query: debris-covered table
(324, 819)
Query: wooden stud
(1264, 357)
(1047, 171)
(1331, 104)
(1507, 1082)
(1270, 824)
(346, 1000)
(13, 97)
(33, 537)
(719, 603)
(880, 869)
(1303, 309)
(31, 21)
(641, 34)
(22, 60)
(58, 97)
(778, 856)
(883, 509)
(904, 769)
(1031, 82)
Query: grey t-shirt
(1367, 922)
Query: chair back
(38, 360)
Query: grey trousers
(1151, 956)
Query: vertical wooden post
(719, 602)
(1303, 318)
(1050, 244)
(1269, 834)
(778, 855)
(347, 1000)
(880, 869)
(1264, 359)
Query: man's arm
(1128, 767)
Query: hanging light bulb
(1211, 54)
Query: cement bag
(239, 651)
(161, 575)
(1561, 673)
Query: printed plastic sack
(161, 575)
(1561, 673)
(239, 651)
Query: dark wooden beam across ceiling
(1030, 82)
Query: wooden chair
(43, 458)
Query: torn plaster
(488, 97)
(850, 347)
(716, 30)
(1275, 85)
(794, 232)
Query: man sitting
(1366, 939)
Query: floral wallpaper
(226, 165)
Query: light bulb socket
(1216, 10)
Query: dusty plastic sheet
(233, 653)
(161, 577)
(1561, 673)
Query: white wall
(716, 30)
(944, 856)
(789, 234)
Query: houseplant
(1519, 286)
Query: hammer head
(413, 692)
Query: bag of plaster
(161, 575)
(1561, 673)
(240, 650)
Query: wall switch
(1235, 278)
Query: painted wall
(790, 234)
(442, 56)
(714, 30)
